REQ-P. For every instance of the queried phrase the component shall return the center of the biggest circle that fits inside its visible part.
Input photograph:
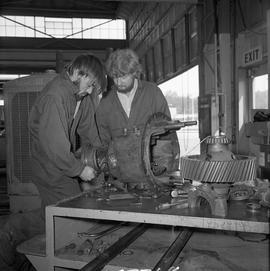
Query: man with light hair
(123, 112)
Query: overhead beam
(25, 61)
(66, 13)
(176, 1)
(28, 55)
(60, 44)
(91, 9)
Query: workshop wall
(169, 40)
(224, 84)
(165, 37)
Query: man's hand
(87, 174)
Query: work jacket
(124, 133)
(53, 128)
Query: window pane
(77, 28)
(62, 27)
(3, 30)
(9, 23)
(260, 92)
(11, 31)
(29, 32)
(2, 21)
(181, 93)
(39, 21)
(20, 31)
(19, 19)
(39, 34)
(29, 21)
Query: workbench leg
(50, 239)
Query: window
(75, 28)
(58, 27)
(260, 92)
(182, 94)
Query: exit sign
(252, 56)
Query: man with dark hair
(122, 114)
(64, 108)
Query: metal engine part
(161, 159)
(240, 192)
(160, 150)
(218, 165)
(100, 159)
(216, 195)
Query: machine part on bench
(215, 171)
(240, 192)
(100, 159)
(253, 206)
(178, 193)
(160, 148)
(219, 165)
(215, 195)
(180, 202)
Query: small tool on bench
(183, 203)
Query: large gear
(219, 165)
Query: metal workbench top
(145, 210)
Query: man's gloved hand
(87, 174)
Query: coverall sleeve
(87, 128)
(102, 124)
(161, 103)
(54, 138)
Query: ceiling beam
(25, 61)
(176, 1)
(66, 13)
(60, 44)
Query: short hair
(122, 62)
(89, 64)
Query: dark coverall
(52, 127)
(123, 132)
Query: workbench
(69, 217)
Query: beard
(125, 89)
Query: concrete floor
(209, 251)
